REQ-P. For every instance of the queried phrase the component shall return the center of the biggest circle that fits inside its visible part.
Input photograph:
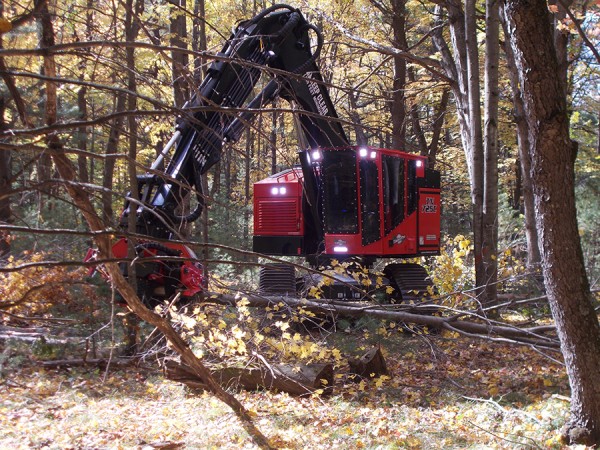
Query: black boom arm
(279, 38)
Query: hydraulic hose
(265, 12)
(197, 212)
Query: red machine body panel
(429, 220)
(278, 205)
(373, 202)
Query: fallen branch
(487, 329)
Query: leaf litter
(442, 392)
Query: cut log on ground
(35, 335)
(297, 380)
(370, 365)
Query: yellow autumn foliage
(451, 271)
(36, 285)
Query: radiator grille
(277, 216)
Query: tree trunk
(112, 147)
(112, 144)
(6, 155)
(204, 223)
(181, 83)
(430, 150)
(199, 45)
(5, 172)
(438, 123)
(455, 67)
(553, 156)
(178, 31)
(370, 365)
(476, 151)
(5, 186)
(10, 83)
(490, 176)
(463, 68)
(273, 139)
(199, 39)
(398, 98)
(561, 41)
(47, 39)
(359, 129)
(531, 236)
(417, 129)
(82, 138)
(536, 336)
(133, 10)
(82, 201)
(247, 184)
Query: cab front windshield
(340, 209)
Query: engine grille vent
(278, 216)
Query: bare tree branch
(577, 23)
(429, 64)
(488, 330)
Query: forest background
(102, 84)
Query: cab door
(370, 204)
(429, 220)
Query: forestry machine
(341, 202)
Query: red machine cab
(373, 202)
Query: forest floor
(443, 393)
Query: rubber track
(411, 279)
(277, 279)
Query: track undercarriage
(399, 282)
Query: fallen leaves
(441, 393)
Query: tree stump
(370, 365)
